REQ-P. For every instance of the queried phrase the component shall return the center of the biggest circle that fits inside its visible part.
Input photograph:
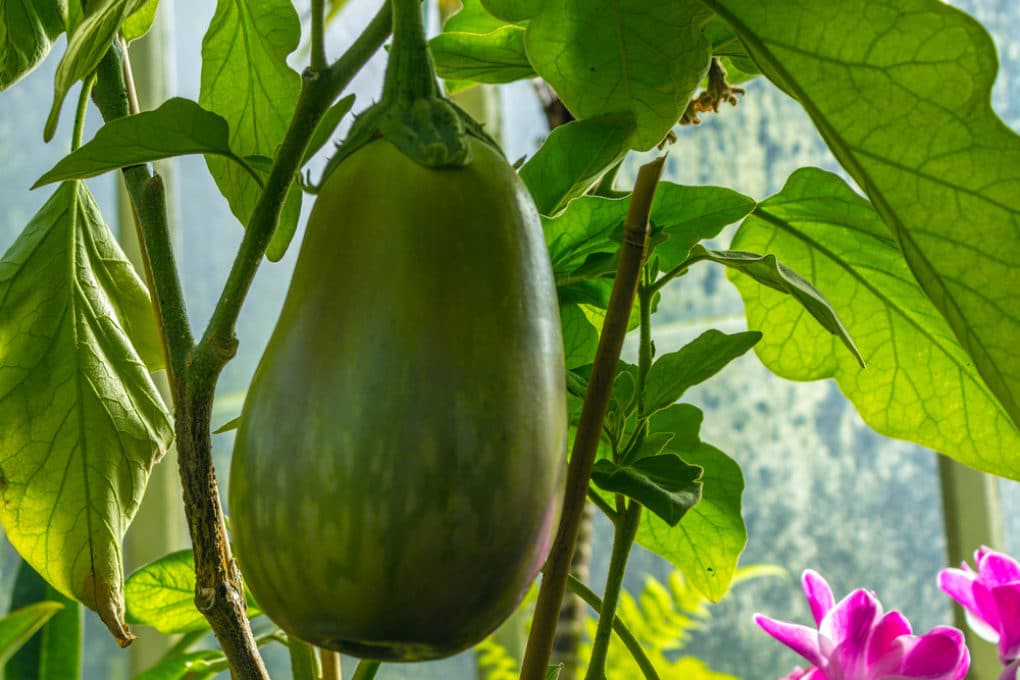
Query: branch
(318, 90)
(596, 401)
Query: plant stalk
(193, 370)
(589, 429)
(626, 637)
(623, 540)
(366, 670)
(410, 74)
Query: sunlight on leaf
(246, 80)
(139, 23)
(178, 127)
(162, 595)
(496, 57)
(18, 626)
(900, 90)
(83, 421)
(27, 29)
(920, 385)
(706, 545)
(613, 56)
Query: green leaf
(612, 56)
(726, 46)
(766, 270)
(682, 421)
(246, 80)
(664, 484)
(920, 384)
(83, 421)
(512, 10)
(496, 57)
(139, 23)
(903, 100)
(231, 424)
(573, 157)
(162, 595)
(706, 545)
(327, 126)
(553, 672)
(178, 127)
(472, 17)
(685, 215)
(27, 31)
(672, 374)
(581, 325)
(55, 652)
(18, 626)
(86, 47)
(190, 666)
(585, 228)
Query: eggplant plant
(444, 394)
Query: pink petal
(1012, 672)
(818, 593)
(884, 650)
(851, 622)
(940, 654)
(1007, 601)
(986, 608)
(800, 639)
(959, 584)
(852, 619)
(997, 569)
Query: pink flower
(799, 673)
(856, 641)
(991, 599)
(1012, 671)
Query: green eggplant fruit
(398, 468)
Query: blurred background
(822, 490)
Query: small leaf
(672, 374)
(682, 421)
(685, 215)
(55, 652)
(231, 424)
(325, 129)
(27, 31)
(472, 17)
(580, 325)
(496, 57)
(190, 666)
(86, 47)
(139, 23)
(162, 595)
(17, 627)
(177, 128)
(553, 672)
(247, 81)
(573, 157)
(664, 483)
(706, 545)
(584, 229)
(83, 421)
(608, 56)
(766, 270)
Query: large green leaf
(83, 421)
(27, 31)
(55, 653)
(920, 385)
(472, 17)
(86, 47)
(685, 215)
(496, 57)
(900, 90)
(707, 543)
(162, 595)
(177, 128)
(246, 80)
(139, 22)
(18, 626)
(573, 157)
(613, 56)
